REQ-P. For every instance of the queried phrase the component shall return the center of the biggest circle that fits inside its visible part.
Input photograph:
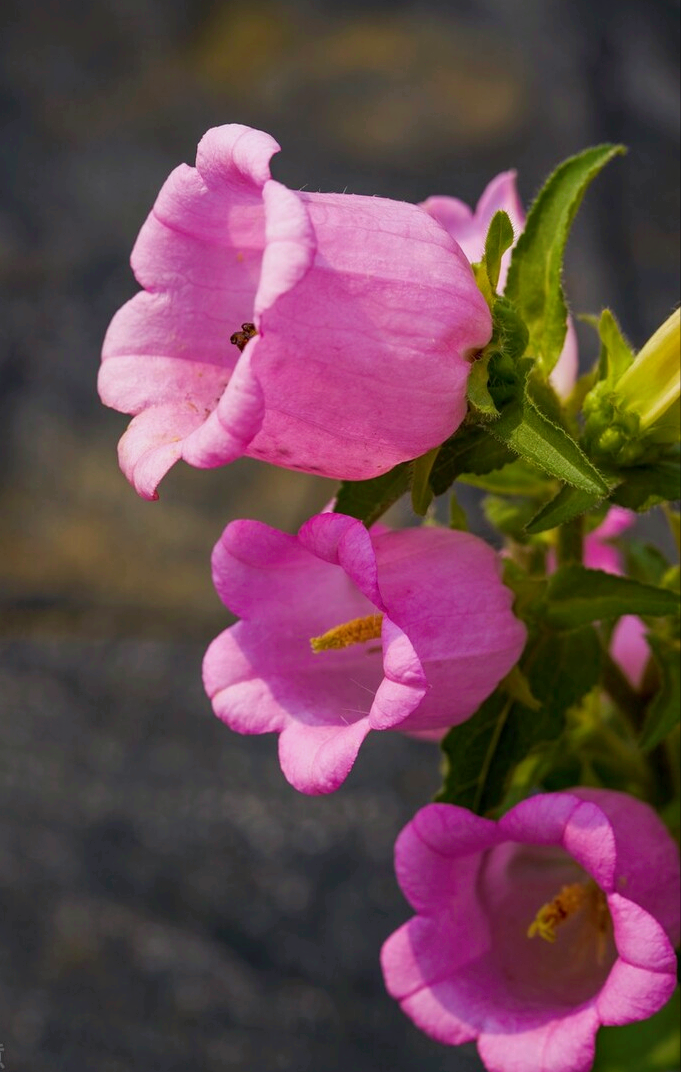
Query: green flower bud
(630, 420)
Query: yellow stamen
(553, 913)
(565, 904)
(354, 632)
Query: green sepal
(534, 278)
(367, 500)
(652, 1045)
(664, 711)
(499, 239)
(534, 437)
(477, 391)
(421, 491)
(576, 595)
(483, 283)
(616, 354)
(497, 376)
(507, 347)
(471, 450)
(481, 753)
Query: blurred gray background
(167, 901)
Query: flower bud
(631, 419)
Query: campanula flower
(344, 631)
(534, 930)
(469, 228)
(323, 332)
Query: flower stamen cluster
(356, 631)
(567, 903)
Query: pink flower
(352, 320)
(412, 630)
(533, 931)
(628, 645)
(470, 230)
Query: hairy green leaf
(532, 435)
(534, 278)
(568, 504)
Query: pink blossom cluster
(334, 334)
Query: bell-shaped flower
(323, 332)
(534, 930)
(344, 631)
(469, 228)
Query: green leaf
(532, 435)
(664, 711)
(471, 450)
(645, 486)
(368, 499)
(421, 491)
(477, 390)
(568, 504)
(481, 753)
(576, 595)
(652, 1045)
(499, 239)
(534, 278)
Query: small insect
(240, 338)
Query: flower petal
(432, 852)
(640, 939)
(565, 1045)
(152, 444)
(318, 758)
(631, 993)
